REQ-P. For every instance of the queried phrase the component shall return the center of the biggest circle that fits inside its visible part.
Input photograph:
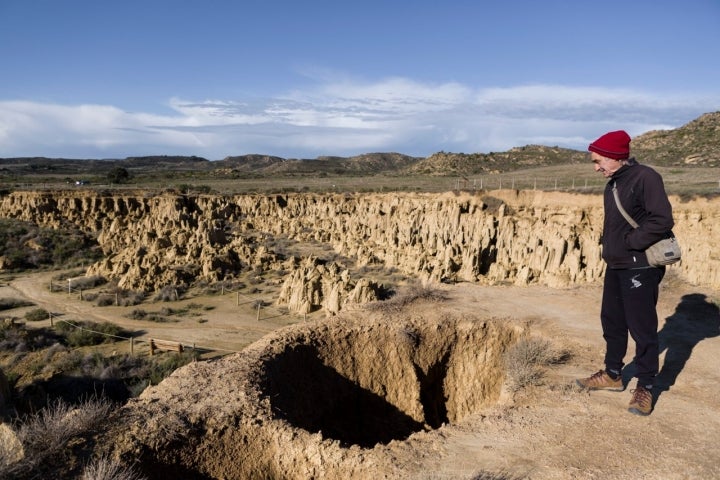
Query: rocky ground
(550, 431)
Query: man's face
(604, 165)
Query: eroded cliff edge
(504, 236)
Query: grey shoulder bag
(665, 252)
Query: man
(630, 289)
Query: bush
(46, 435)
(85, 283)
(409, 295)
(138, 314)
(105, 301)
(62, 277)
(16, 337)
(525, 361)
(128, 298)
(37, 314)
(169, 293)
(166, 364)
(105, 468)
(83, 334)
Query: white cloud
(345, 118)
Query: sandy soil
(562, 432)
(554, 431)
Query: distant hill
(443, 163)
(251, 162)
(694, 144)
(365, 164)
(99, 166)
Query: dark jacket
(642, 195)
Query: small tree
(118, 175)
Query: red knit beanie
(612, 145)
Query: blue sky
(299, 79)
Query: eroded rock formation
(506, 236)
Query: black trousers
(628, 306)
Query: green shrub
(138, 314)
(27, 245)
(105, 301)
(168, 363)
(83, 334)
(37, 314)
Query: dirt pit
(368, 384)
(330, 399)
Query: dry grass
(409, 295)
(470, 476)
(50, 429)
(46, 435)
(526, 361)
(105, 468)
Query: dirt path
(555, 431)
(221, 324)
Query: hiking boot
(641, 402)
(601, 381)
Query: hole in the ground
(368, 386)
(319, 399)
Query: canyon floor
(551, 431)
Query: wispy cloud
(344, 118)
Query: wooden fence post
(258, 313)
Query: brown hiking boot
(641, 402)
(601, 381)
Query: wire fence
(151, 343)
(258, 304)
(678, 180)
(501, 182)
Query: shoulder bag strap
(622, 210)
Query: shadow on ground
(695, 319)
